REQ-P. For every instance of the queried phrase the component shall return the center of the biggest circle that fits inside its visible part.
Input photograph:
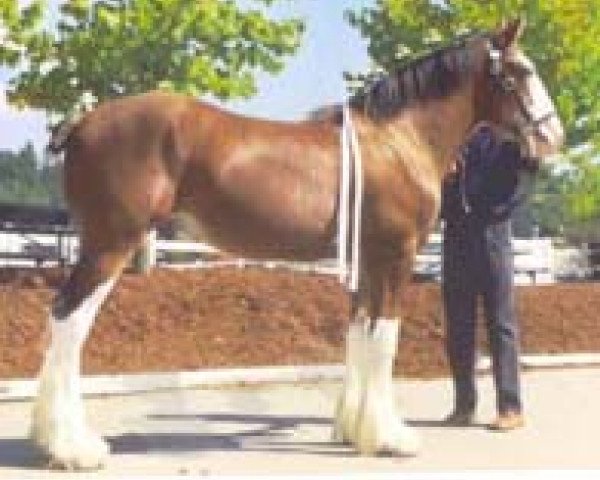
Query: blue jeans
(478, 261)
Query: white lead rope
(349, 274)
(344, 200)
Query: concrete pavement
(285, 429)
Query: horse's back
(142, 157)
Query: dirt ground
(232, 317)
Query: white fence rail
(533, 260)
(19, 249)
(536, 260)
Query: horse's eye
(509, 83)
(520, 70)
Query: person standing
(490, 181)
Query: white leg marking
(346, 415)
(59, 426)
(380, 427)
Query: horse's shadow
(233, 432)
(272, 433)
(18, 453)
(248, 433)
(266, 433)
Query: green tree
(582, 191)
(561, 38)
(546, 206)
(563, 203)
(105, 48)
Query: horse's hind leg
(58, 427)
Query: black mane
(435, 75)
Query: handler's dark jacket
(493, 180)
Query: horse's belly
(274, 198)
(285, 225)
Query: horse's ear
(509, 33)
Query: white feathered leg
(346, 415)
(380, 427)
(59, 427)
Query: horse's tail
(61, 133)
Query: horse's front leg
(380, 427)
(349, 403)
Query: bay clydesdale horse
(270, 189)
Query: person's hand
(499, 210)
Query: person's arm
(508, 183)
(523, 183)
(523, 188)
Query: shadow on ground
(20, 453)
(440, 423)
(248, 433)
(258, 433)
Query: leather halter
(506, 85)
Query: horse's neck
(430, 132)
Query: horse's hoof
(397, 439)
(405, 442)
(87, 454)
(74, 464)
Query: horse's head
(515, 98)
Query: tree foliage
(561, 38)
(98, 49)
(565, 203)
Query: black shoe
(460, 418)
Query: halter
(507, 86)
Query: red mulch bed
(229, 318)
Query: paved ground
(285, 429)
